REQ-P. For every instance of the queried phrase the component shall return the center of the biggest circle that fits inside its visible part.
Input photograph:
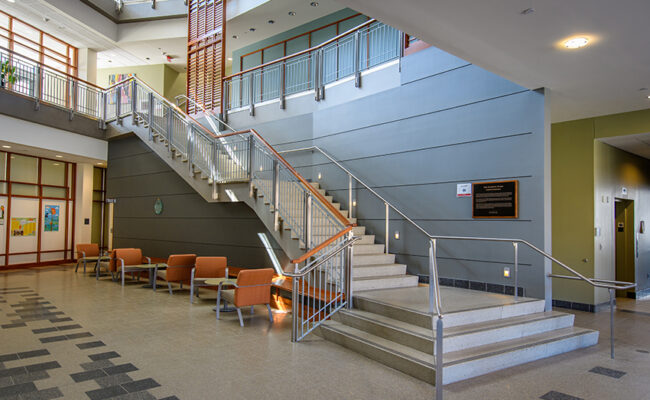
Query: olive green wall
(162, 78)
(576, 157)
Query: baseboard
(475, 285)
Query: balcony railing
(361, 48)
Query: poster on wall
(23, 227)
(2, 215)
(51, 218)
(126, 89)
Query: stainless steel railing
(322, 286)
(435, 301)
(348, 54)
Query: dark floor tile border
(91, 345)
(635, 312)
(104, 356)
(87, 375)
(106, 393)
(42, 366)
(553, 395)
(14, 325)
(55, 320)
(23, 355)
(120, 369)
(45, 394)
(643, 351)
(15, 390)
(612, 373)
(61, 338)
(138, 386)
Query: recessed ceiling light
(314, 4)
(251, 29)
(58, 156)
(56, 164)
(292, 13)
(11, 1)
(649, 97)
(229, 58)
(100, 163)
(576, 43)
(6, 146)
(271, 21)
(235, 36)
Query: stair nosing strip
(393, 327)
(384, 348)
(522, 346)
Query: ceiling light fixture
(235, 36)
(58, 156)
(229, 58)
(11, 1)
(576, 43)
(6, 146)
(528, 11)
(292, 13)
(251, 29)
(271, 22)
(314, 4)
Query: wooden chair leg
(268, 307)
(241, 320)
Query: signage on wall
(23, 227)
(495, 199)
(51, 219)
(464, 190)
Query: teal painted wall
(295, 45)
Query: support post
(316, 75)
(38, 81)
(294, 309)
(118, 104)
(190, 140)
(349, 302)
(611, 322)
(276, 195)
(134, 102)
(170, 127)
(73, 97)
(251, 154)
(400, 50)
(387, 227)
(225, 103)
(439, 362)
(357, 59)
(516, 246)
(349, 196)
(104, 109)
(282, 85)
(151, 118)
(307, 222)
(251, 94)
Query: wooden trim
(321, 246)
(308, 33)
(370, 21)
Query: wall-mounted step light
(506, 272)
(319, 175)
(397, 235)
(354, 203)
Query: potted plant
(7, 73)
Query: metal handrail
(208, 113)
(323, 258)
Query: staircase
(390, 321)
(477, 339)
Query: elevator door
(624, 242)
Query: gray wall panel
(188, 224)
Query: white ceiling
(602, 78)
(636, 144)
(278, 11)
(45, 153)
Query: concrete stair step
(524, 306)
(458, 337)
(361, 248)
(378, 270)
(373, 259)
(384, 282)
(464, 364)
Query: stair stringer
(291, 246)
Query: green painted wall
(164, 79)
(578, 165)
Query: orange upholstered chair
(126, 258)
(178, 269)
(253, 287)
(206, 268)
(87, 253)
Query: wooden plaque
(495, 199)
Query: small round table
(216, 282)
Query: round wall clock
(158, 206)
